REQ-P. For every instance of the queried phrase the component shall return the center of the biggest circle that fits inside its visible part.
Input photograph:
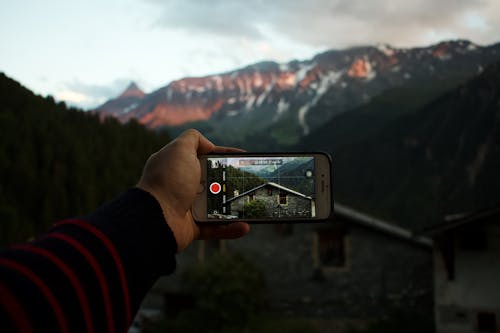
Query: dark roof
(281, 187)
(380, 225)
(453, 221)
(359, 218)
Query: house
(279, 201)
(357, 267)
(467, 272)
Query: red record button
(215, 188)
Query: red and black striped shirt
(88, 274)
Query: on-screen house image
(279, 201)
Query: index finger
(220, 149)
(197, 141)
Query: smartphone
(264, 188)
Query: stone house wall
(469, 295)
(269, 195)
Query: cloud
(335, 23)
(72, 97)
(88, 96)
(221, 17)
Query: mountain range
(424, 143)
(272, 106)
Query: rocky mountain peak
(132, 90)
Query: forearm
(89, 273)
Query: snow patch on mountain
(386, 49)
(396, 69)
(471, 47)
(169, 94)
(325, 83)
(218, 83)
(129, 108)
(284, 67)
(302, 72)
(302, 118)
(263, 96)
(250, 101)
(199, 89)
(371, 75)
(282, 107)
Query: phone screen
(278, 187)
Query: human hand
(172, 175)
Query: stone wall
(295, 206)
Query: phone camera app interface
(260, 188)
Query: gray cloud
(337, 23)
(222, 17)
(97, 90)
(94, 94)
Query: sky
(85, 52)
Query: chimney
(236, 193)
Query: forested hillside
(370, 118)
(57, 162)
(441, 158)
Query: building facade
(356, 267)
(466, 272)
(277, 200)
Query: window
(486, 322)
(453, 315)
(251, 196)
(283, 198)
(473, 240)
(269, 191)
(332, 248)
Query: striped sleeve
(88, 274)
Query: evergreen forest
(58, 162)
